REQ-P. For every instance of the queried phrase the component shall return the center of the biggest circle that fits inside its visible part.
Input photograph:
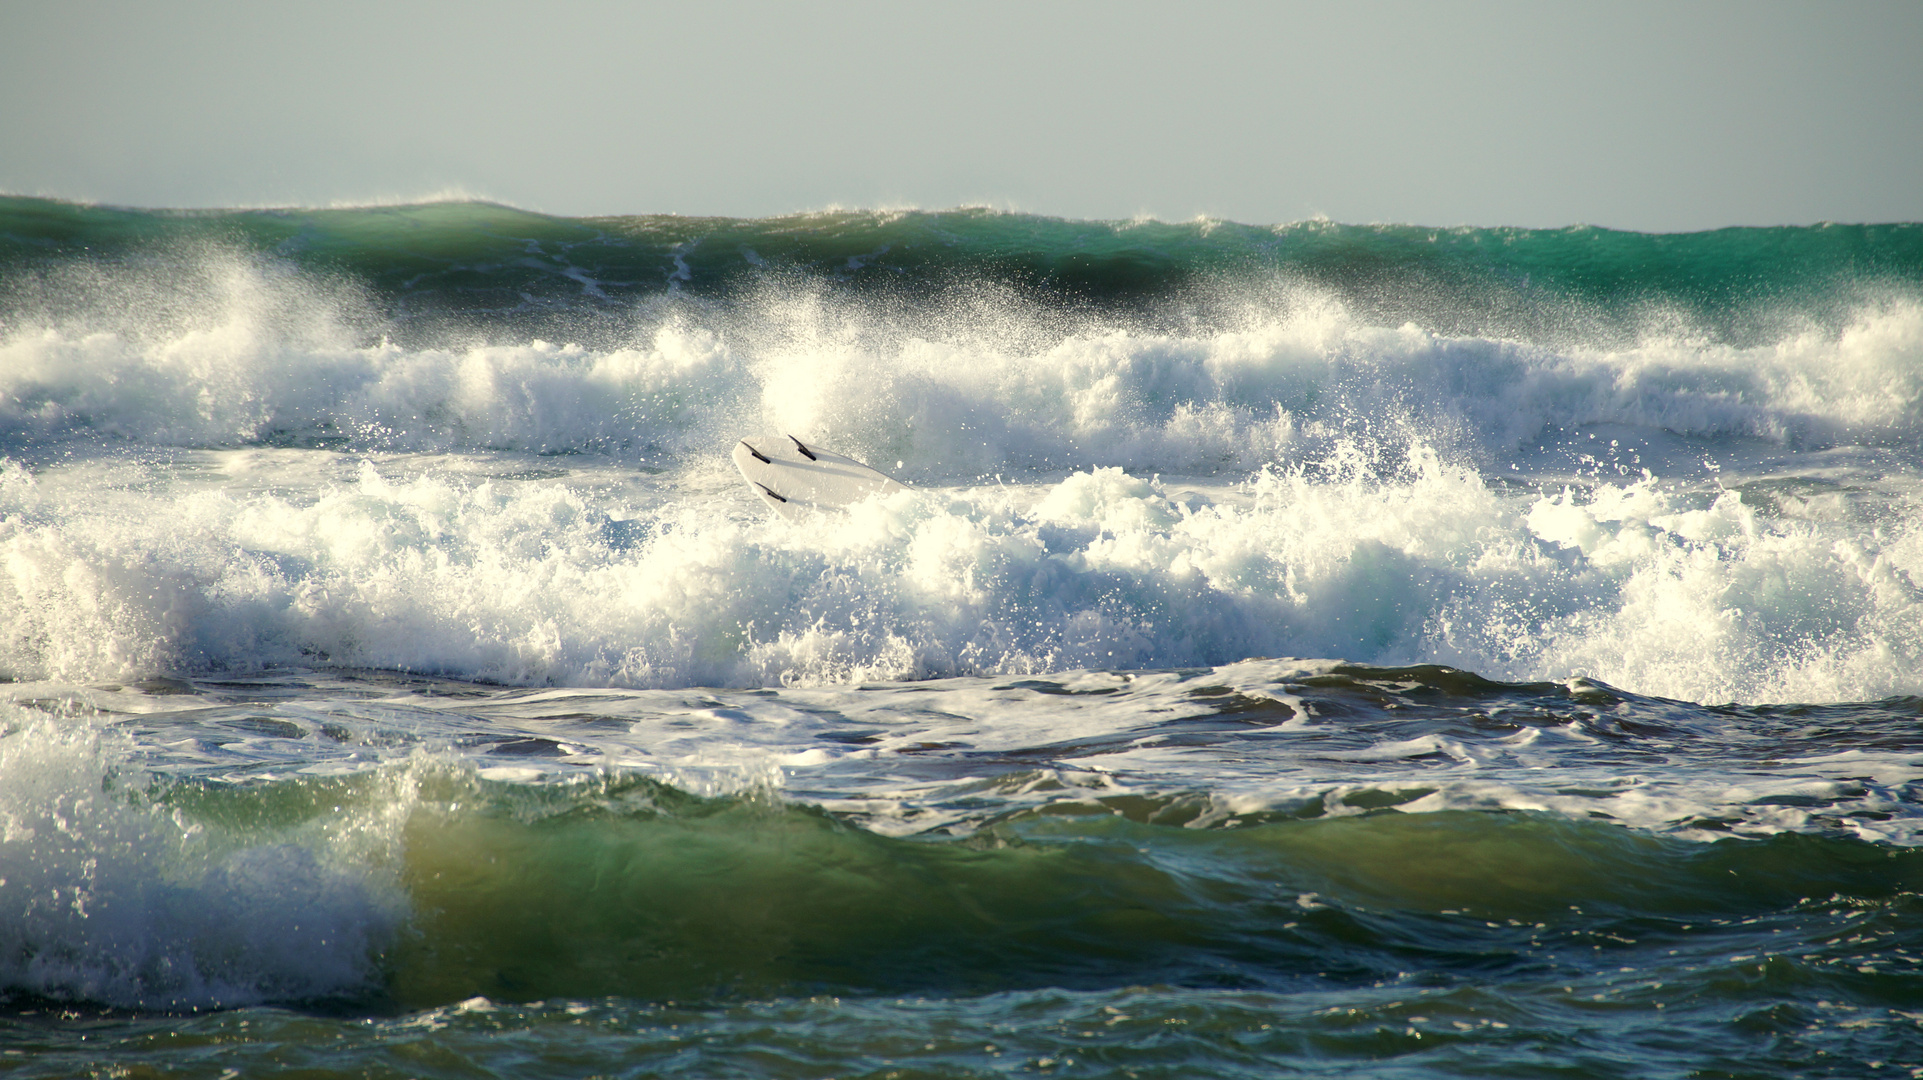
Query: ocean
(1315, 649)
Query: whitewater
(1297, 648)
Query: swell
(434, 262)
(756, 901)
(426, 886)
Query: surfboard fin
(772, 493)
(757, 454)
(805, 452)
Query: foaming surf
(1377, 643)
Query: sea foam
(241, 351)
(108, 894)
(1679, 516)
(1681, 593)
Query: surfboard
(793, 477)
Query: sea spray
(122, 891)
(1433, 651)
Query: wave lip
(487, 258)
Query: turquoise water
(1320, 649)
(437, 908)
(500, 263)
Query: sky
(1652, 116)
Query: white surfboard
(793, 477)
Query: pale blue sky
(1635, 115)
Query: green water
(480, 260)
(406, 686)
(627, 928)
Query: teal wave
(626, 887)
(483, 258)
(627, 924)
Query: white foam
(1717, 602)
(1643, 585)
(108, 896)
(223, 349)
(1370, 525)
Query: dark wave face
(1282, 861)
(401, 680)
(496, 264)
